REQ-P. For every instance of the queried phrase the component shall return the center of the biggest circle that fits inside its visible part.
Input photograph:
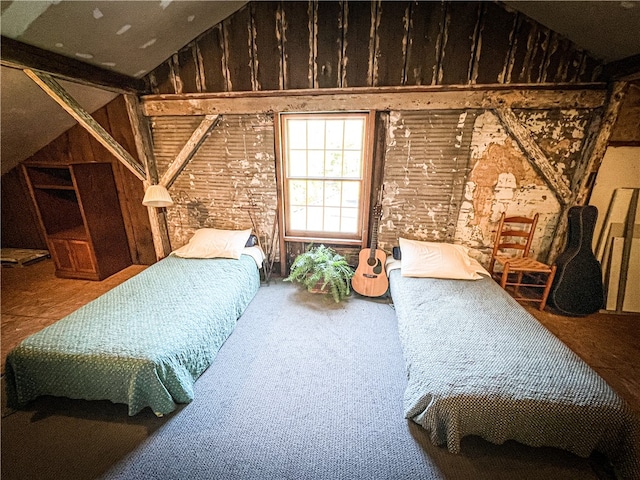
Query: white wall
(620, 169)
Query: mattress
(478, 363)
(143, 343)
(22, 256)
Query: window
(324, 167)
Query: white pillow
(437, 260)
(213, 243)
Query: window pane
(297, 192)
(314, 221)
(350, 194)
(353, 131)
(352, 164)
(315, 131)
(316, 163)
(332, 194)
(298, 218)
(333, 163)
(297, 163)
(315, 193)
(335, 133)
(349, 222)
(297, 133)
(331, 219)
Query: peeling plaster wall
(229, 183)
(452, 183)
(502, 180)
(426, 163)
(448, 175)
(560, 134)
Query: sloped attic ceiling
(608, 30)
(128, 37)
(132, 38)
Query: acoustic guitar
(370, 278)
(577, 287)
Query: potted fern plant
(321, 269)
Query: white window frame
(290, 235)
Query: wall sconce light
(157, 196)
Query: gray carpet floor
(303, 389)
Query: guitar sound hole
(376, 264)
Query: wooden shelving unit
(79, 213)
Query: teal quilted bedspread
(478, 363)
(143, 343)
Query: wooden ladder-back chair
(511, 250)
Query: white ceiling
(130, 37)
(133, 37)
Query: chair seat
(516, 234)
(523, 264)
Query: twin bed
(145, 342)
(477, 363)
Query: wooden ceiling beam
(73, 108)
(597, 144)
(190, 148)
(593, 151)
(381, 99)
(19, 55)
(144, 145)
(536, 156)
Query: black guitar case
(577, 288)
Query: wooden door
(82, 257)
(73, 258)
(61, 254)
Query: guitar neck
(374, 239)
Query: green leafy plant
(322, 268)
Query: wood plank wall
(314, 44)
(77, 146)
(19, 218)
